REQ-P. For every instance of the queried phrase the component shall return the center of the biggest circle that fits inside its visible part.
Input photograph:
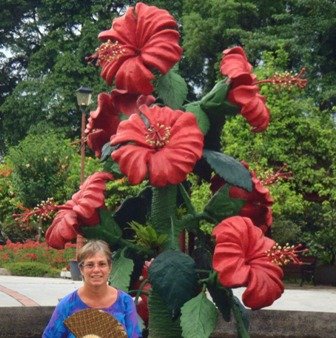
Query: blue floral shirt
(123, 310)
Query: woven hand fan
(94, 323)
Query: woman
(95, 265)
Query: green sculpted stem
(163, 208)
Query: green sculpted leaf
(231, 170)
(241, 317)
(222, 205)
(121, 273)
(108, 230)
(113, 167)
(172, 275)
(202, 118)
(161, 324)
(215, 101)
(217, 108)
(223, 299)
(106, 151)
(198, 317)
(172, 89)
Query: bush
(41, 164)
(13, 254)
(32, 269)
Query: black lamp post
(83, 95)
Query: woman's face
(96, 270)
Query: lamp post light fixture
(83, 95)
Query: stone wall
(28, 322)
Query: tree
(47, 42)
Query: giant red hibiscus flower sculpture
(163, 145)
(102, 123)
(240, 259)
(244, 90)
(143, 39)
(81, 210)
(258, 202)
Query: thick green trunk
(163, 208)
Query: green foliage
(173, 276)
(241, 316)
(47, 65)
(8, 202)
(32, 269)
(222, 297)
(119, 190)
(321, 244)
(202, 119)
(198, 317)
(40, 167)
(22, 254)
(231, 170)
(161, 322)
(147, 237)
(200, 192)
(222, 206)
(121, 273)
(108, 230)
(172, 89)
(284, 230)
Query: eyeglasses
(90, 266)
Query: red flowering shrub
(35, 251)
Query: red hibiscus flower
(102, 123)
(161, 144)
(240, 259)
(81, 210)
(244, 90)
(144, 38)
(128, 103)
(258, 204)
(234, 63)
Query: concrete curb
(29, 322)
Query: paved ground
(38, 291)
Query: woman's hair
(91, 248)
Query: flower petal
(132, 162)
(102, 123)
(134, 77)
(62, 229)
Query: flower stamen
(43, 211)
(284, 255)
(109, 51)
(286, 79)
(158, 136)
